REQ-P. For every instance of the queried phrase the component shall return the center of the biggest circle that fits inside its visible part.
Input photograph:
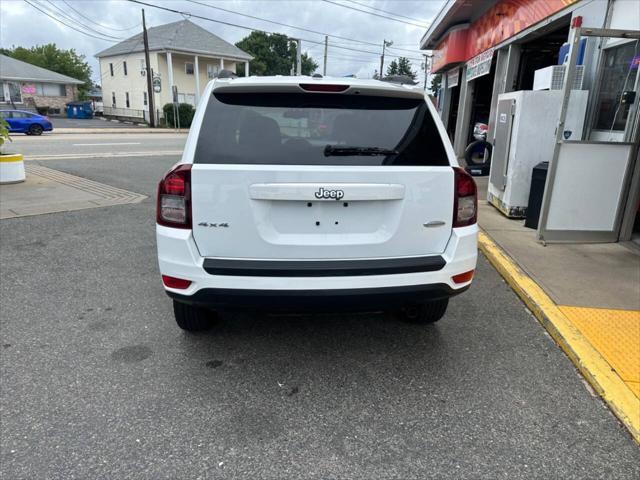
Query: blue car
(26, 122)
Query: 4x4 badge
(323, 193)
(206, 224)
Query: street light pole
(150, 102)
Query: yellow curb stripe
(619, 397)
(11, 158)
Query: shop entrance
(453, 111)
(540, 52)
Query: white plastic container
(12, 168)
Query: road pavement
(98, 381)
(96, 145)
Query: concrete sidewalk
(586, 295)
(49, 191)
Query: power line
(48, 14)
(98, 23)
(364, 42)
(66, 16)
(280, 23)
(390, 13)
(374, 14)
(201, 17)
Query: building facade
(27, 87)
(487, 51)
(181, 54)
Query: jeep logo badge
(323, 193)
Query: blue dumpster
(79, 110)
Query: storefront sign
(480, 65)
(157, 84)
(502, 21)
(28, 88)
(452, 77)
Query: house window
(111, 69)
(50, 90)
(188, 68)
(126, 99)
(144, 98)
(212, 70)
(113, 99)
(124, 68)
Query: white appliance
(524, 135)
(551, 78)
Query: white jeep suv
(297, 191)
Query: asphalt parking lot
(98, 381)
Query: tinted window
(295, 129)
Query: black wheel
(423, 313)
(191, 318)
(35, 129)
(478, 153)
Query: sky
(22, 25)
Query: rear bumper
(318, 299)
(396, 279)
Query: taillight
(177, 283)
(174, 198)
(463, 277)
(465, 200)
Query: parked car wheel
(35, 129)
(429, 312)
(191, 318)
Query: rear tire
(35, 129)
(424, 313)
(192, 318)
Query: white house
(181, 54)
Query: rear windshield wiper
(344, 151)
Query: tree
(65, 62)
(402, 66)
(392, 69)
(436, 83)
(274, 54)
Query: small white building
(181, 54)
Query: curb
(595, 369)
(123, 130)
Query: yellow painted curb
(622, 401)
(15, 157)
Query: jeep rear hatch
(327, 175)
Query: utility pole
(298, 57)
(326, 47)
(152, 110)
(384, 45)
(426, 70)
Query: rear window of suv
(318, 129)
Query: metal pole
(298, 57)
(152, 120)
(384, 44)
(569, 75)
(326, 47)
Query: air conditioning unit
(551, 78)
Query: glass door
(617, 101)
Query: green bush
(185, 114)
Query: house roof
(12, 69)
(184, 36)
